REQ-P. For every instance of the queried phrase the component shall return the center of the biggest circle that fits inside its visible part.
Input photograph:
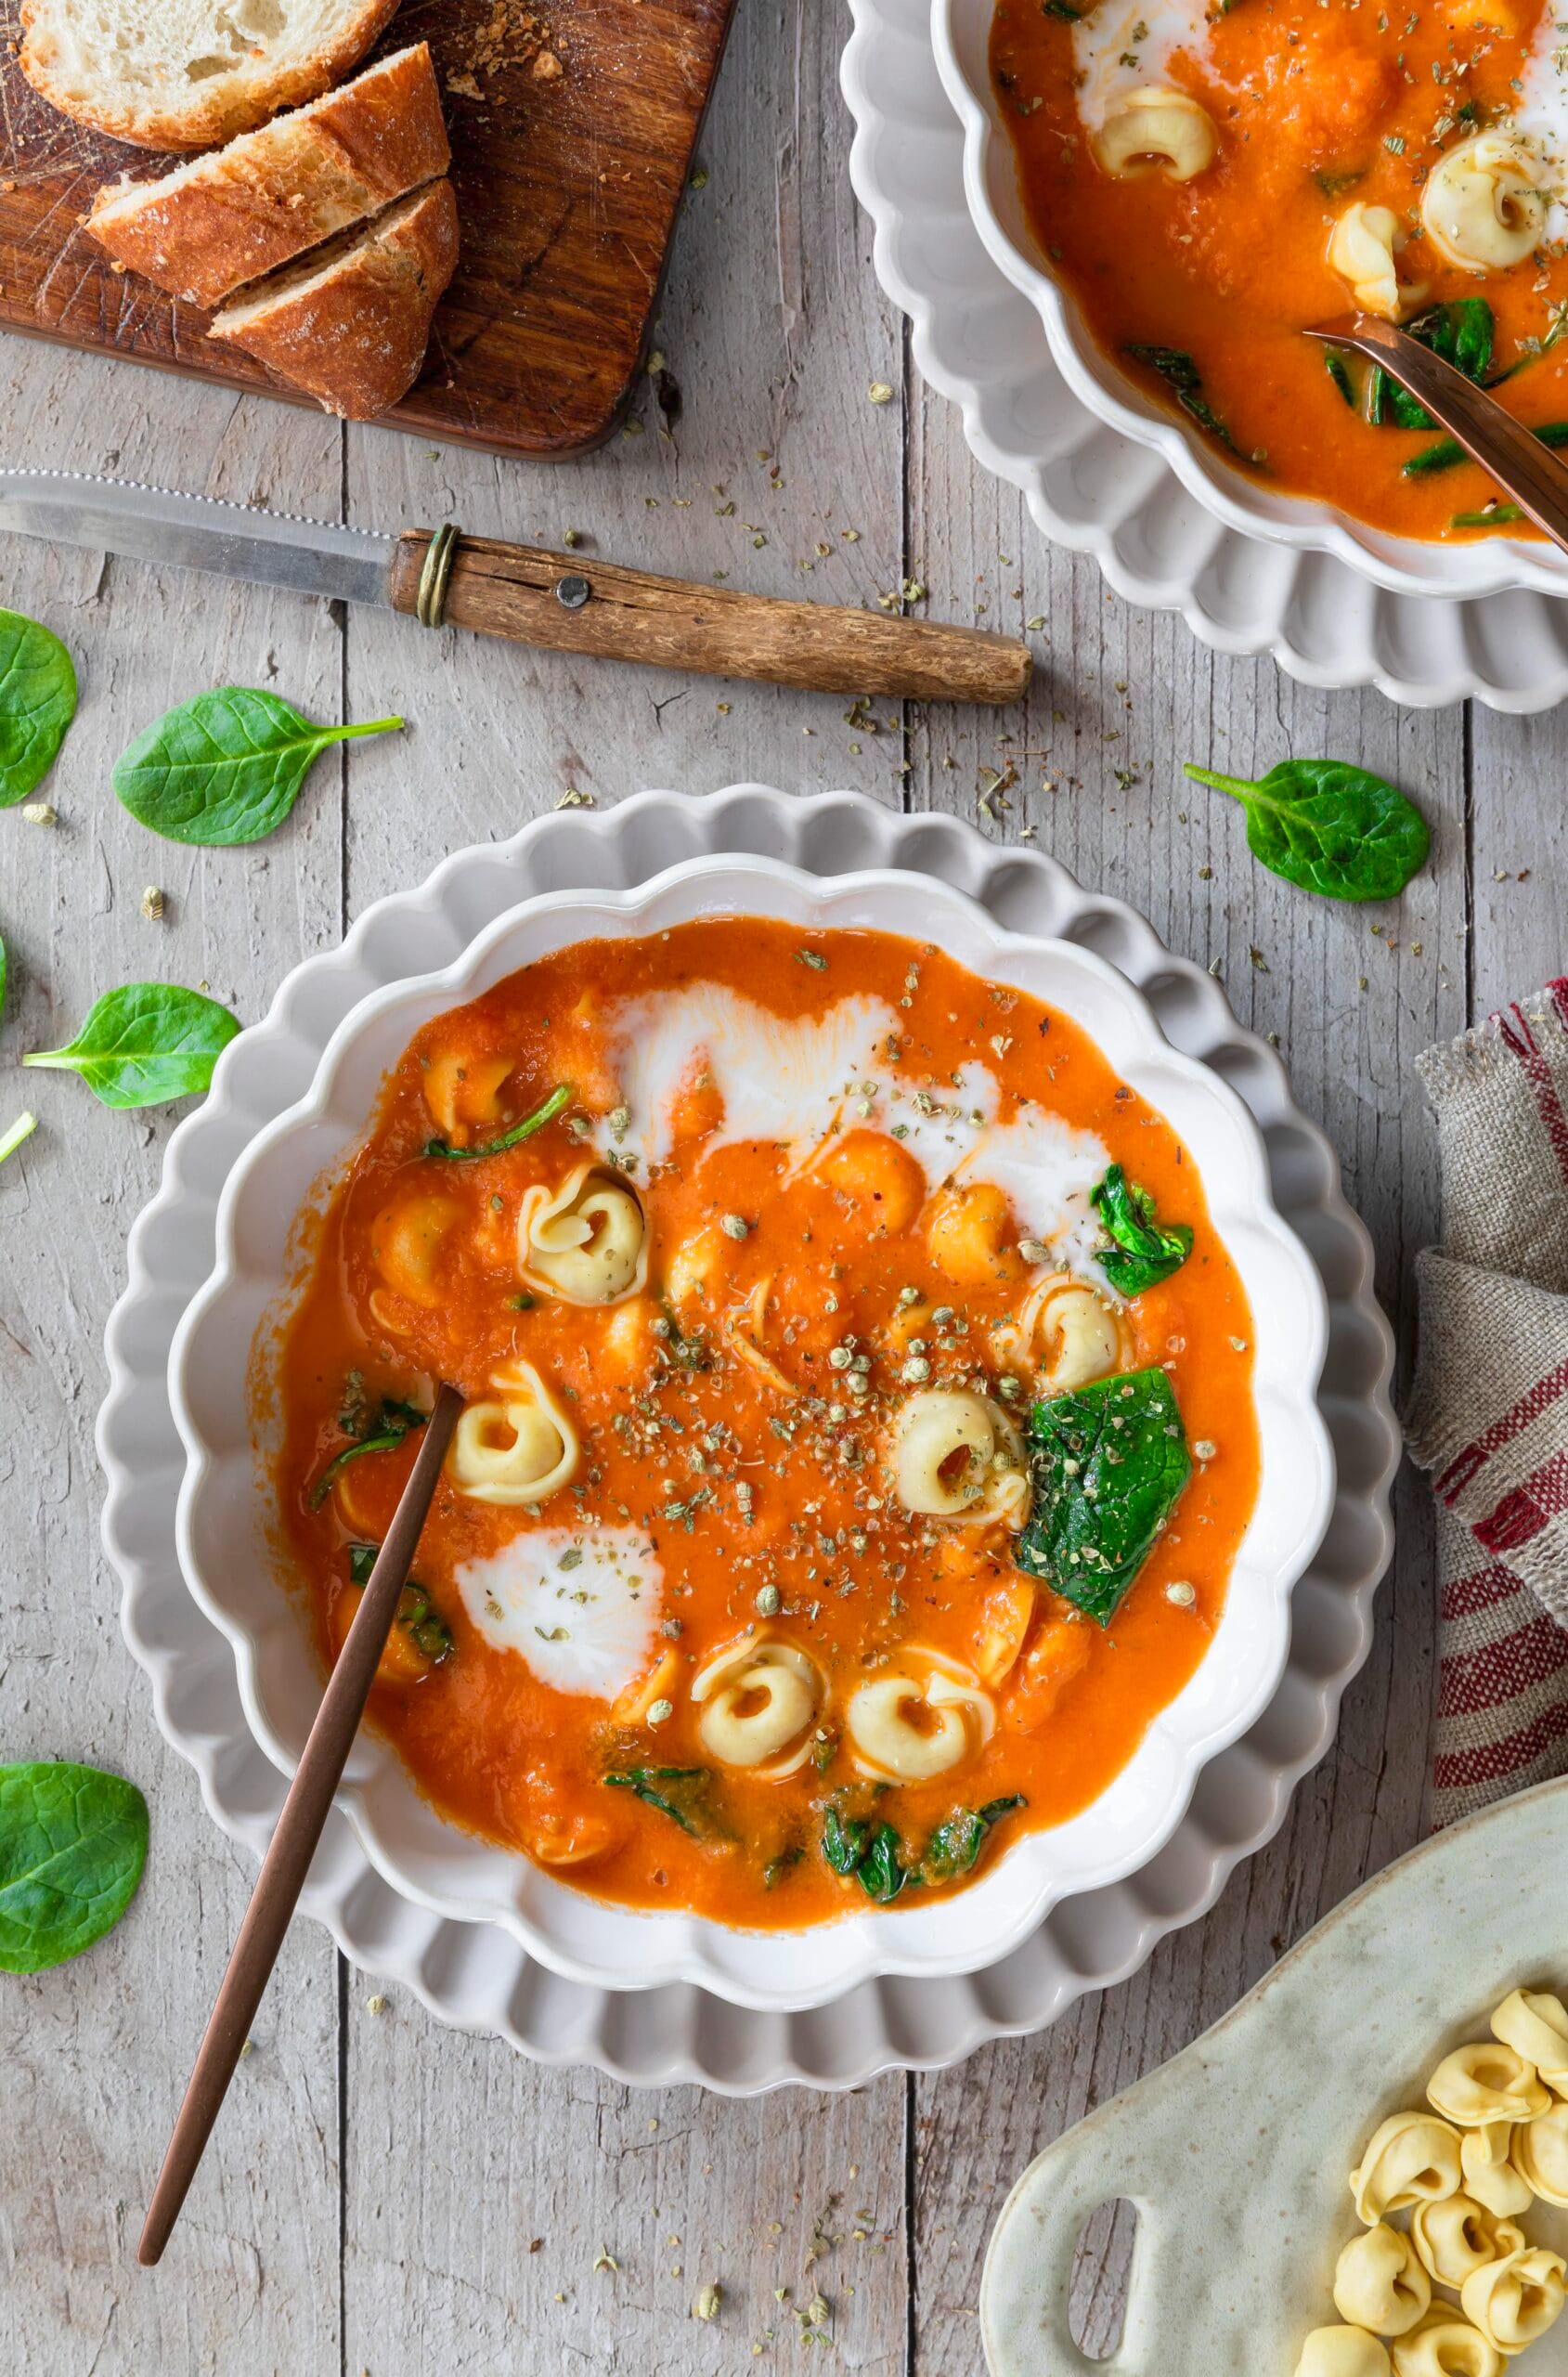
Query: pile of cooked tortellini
(1458, 2289)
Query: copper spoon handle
(298, 1828)
(1522, 467)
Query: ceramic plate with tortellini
(858, 1425)
(1443, 2278)
(1207, 181)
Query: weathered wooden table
(382, 2194)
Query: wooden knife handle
(533, 596)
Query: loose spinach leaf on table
(1329, 827)
(519, 1132)
(1142, 1251)
(144, 1044)
(1110, 1464)
(226, 767)
(22, 1128)
(1185, 380)
(72, 1845)
(37, 703)
(678, 1792)
(383, 1432)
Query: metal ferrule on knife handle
(565, 603)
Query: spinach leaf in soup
(1109, 1463)
(145, 1044)
(678, 1792)
(226, 767)
(72, 1845)
(1142, 1251)
(1463, 332)
(383, 1432)
(37, 703)
(1329, 827)
(954, 1847)
(1185, 380)
(416, 1613)
(559, 1096)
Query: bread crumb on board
(502, 38)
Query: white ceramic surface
(1236, 2152)
(476, 1975)
(227, 1514)
(1108, 475)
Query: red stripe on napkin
(1473, 1680)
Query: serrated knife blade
(197, 532)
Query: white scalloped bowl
(227, 1525)
(961, 31)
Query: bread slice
(350, 323)
(189, 73)
(245, 209)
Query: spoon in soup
(1526, 471)
(298, 1828)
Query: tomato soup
(1206, 181)
(858, 1432)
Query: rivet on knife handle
(512, 591)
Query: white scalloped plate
(478, 1975)
(980, 341)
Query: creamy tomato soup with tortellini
(858, 1424)
(1206, 181)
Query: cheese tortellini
(1342, 2352)
(1538, 2152)
(518, 1449)
(1379, 2282)
(1482, 207)
(1157, 130)
(1445, 2344)
(1362, 248)
(759, 1704)
(1072, 1332)
(1458, 2236)
(1410, 2158)
(1515, 2299)
(917, 1719)
(1486, 2081)
(1489, 2173)
(585, 1241)
(1535, 2023)
(956, 1455)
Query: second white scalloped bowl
(961, 33)
(226, 1525)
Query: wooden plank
(765, 446)
(1122, 699)
(568, 190)
(1515, 837)
(97, 2054)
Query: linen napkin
(1489, 1413)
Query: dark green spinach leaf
(416, 1612)
(72, 1845)
(678, 1792)
(391, 1422)
(37, 703)
(1110, 1464)
(1448, 451)
(956, 1845)
(1185, 380)
(880, 1872)
(777, 1867)
(1142, 1251)
(1329, 827)
(518, 1133)
(144, 1044)
(1492, 515)
(1338, 371)
(1462, 332)
(226, 767)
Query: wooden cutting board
(568, 187)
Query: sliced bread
(350, 322)
(189, 73)
(245, 209)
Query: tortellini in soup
(518, 1449)
(758, 1704)
(919, 1717)
(956, 1455)
(586, 1241)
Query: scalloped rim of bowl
(1401, 564)
(619, 1948)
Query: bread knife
(524, 593)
